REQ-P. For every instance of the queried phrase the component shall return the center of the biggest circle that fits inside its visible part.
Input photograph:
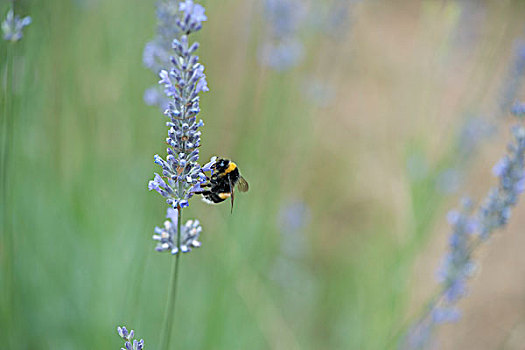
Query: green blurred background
(361, 164)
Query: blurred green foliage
(81, 217)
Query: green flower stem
(7, 237)
(172, 292)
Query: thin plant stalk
(172, 292)
(7, 238)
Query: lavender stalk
(168, 319)
(469, 231)
(181, 175)
(11, 29)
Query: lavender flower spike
(130, 343)
(167, 236)
(182, 85)
(468, 233)
(13, 25)
(495, 211)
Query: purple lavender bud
(123, 332)
(166, 236)
(193, 16)
(207, 166)
(13, 25)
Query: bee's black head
(221, 165)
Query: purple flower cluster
(181, 174)
(13, 25)
(165, 236)
(193, 17)
(469, 231)
(457, 265)
(130, 343)
(495, 210)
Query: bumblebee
(222, 183)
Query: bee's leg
(231, 191)
(203, 185)
(204, 193)
(231, 211)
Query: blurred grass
(82, 151)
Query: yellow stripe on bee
(224, 195)
(230, 168)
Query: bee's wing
(243, 184)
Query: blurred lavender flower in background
(293, 218)
(182, 175)
(514, 80)
(495, 210)
(281, 48)
(167, 235)
(457, 265)
(518, 109)
(154, 96)
(477, 129)
(157, 52)
(13, 25)
(332, 18)
(130, 343)
(290, 270)
(469, 231)
(156, 55)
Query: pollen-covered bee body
(223, 181)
